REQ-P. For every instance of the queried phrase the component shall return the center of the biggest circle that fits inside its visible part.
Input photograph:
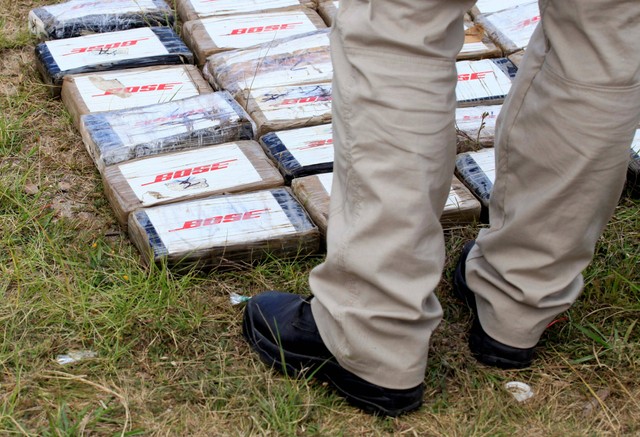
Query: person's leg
(562, 149)
(394, 136)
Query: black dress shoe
(484, 348)
(281, 329)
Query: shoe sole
(325, 370)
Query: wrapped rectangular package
(633, 174)
(298, 60)
(301, 152)
(173, 177)
(477, 170)
(208, 119)
(132, 48)
(477, 44)
(195, 9)
(491, 6)
(235, 229)
(476, 125)
(81, 17)
(485, 81)
(516, 58)
(131, 88)
(217, 34)
(288, 107)
(314, 193)
(512, 28)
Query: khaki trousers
(562, 147)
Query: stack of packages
(510, 23)
(218, 150)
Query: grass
(170, 357)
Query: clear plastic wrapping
(217, 34)
(132, 48)
(477, 171)
(235, 229)
(81, 17)
(281, 108)
(477, 44)
(173, 177)
(314, 192)
(298, 60)
(196, 9)
(491, 6)
(301, 152)
(516, 58)
(131, 88)
(485, 81)
(208, 119)
(512, 28)
(462, 208)
(476, 125)
(633, 175)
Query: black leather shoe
(281, 329)
(484, 348)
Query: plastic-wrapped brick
(516, 58)
(328, 10)
(132, 88)
(235, 229)
(298, 60)
(477, 43)
(633, 175)
(140, 47)
(301, 152)
(275, 109)
(314, 193)
(462, 208)
(512, 28)
(81, 17)
(217, 34)
(491, 6)
(208, 119)
(195, 9)
(173, 177)
(486, 81)
(477, 170)
(476, 125)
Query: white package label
(309, 146)
(152, 123)
(189, 173)
(326, 179)
(453, 201)
(480, 79)
(246, 31)
(112, 91)
(102, 47)
(228, 7)
(485, 159)
(294, 102)
(635, 144)
(491, 6)
(471, 118)
(517, 24)
(220, 221)
(81, 8)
